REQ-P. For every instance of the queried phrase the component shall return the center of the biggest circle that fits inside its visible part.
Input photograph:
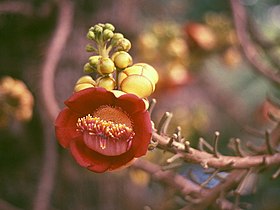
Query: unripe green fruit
(122, 59)
(105, 66)
(106, 82)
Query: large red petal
(88, 100)
(130, 103)
(143, 133)
(123, 160)
(65, 126)
(88, 158)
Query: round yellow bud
(148, 71)
(88, 68)
(106, 82)
(122, 59)
(140, 69)
(138, 85)
(86, 79)
(82, 86)
(119, 93)
(83, 83)
(93, 61)
(124, 44)
(105, 66)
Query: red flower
(103, 131)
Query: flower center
(108, 131)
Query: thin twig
(268, 144)
(178, 131)
(202, 143)
(276, 174)
(152, 105)
(211, 195)
(183, 185)
(237, 147)
(215, 148)
(54, 52)
(242, 185)
(164, 122)
(212, 176)
(174, 157)
(53, 56)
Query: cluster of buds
(113, 66)
(16, 101)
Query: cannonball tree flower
(104, 130)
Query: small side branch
(216, 139)
(164, 122)
(205, 158)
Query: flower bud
(83, 86)
(116, 37)
(138, 85)
(139, 79)
(93, 61)
(106, 82)
(122, 59)
(143, 69)
(90, 35)
(83, 83)
(90, 48)
(109, 26)
(105, 66)
(97, 29)
(86, 79)
(88, 68)
(91, 29)
(124, 44)
(101, 25)
(107, 34)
